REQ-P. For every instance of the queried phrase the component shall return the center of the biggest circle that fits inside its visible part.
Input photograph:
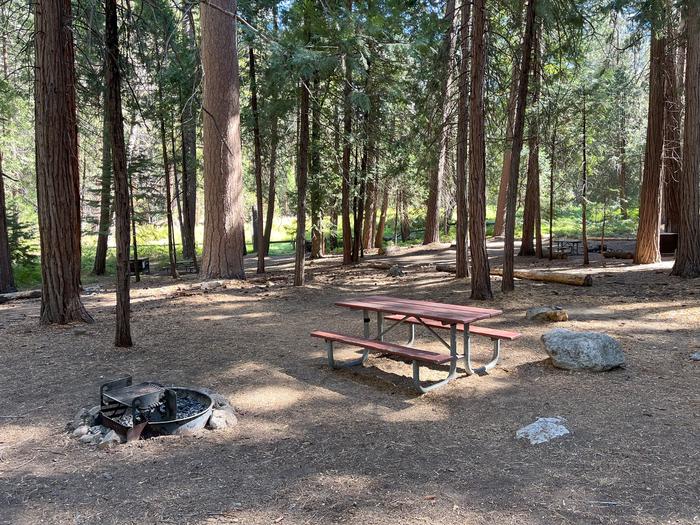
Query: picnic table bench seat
(413, 355)
(491, 333)
(404, 352)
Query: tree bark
(315, 189)
(432, 217)
(532, 189)
(405, 219)
(622, 167)
(224, 240)
(379, 235)
(552, 165)
(347, 151)
(257, 161)
(272, 182)
(499, 225)
(188, 124)
(370, 213)
(106, 209)
(122, 336)
(480, 280)
(272, 166)
(584, 187)
(359, 208)
(462, 258)
(168, 197)
(302, 172)
(177, 197)
(647, 249)
(57, 169)
(687, 262)
(7, 281)
(518, 125)
(672, 134)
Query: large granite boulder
(590, 351)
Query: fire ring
(151, 409)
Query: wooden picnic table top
(446, 313)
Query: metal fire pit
(150, 409)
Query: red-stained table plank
(445, 313)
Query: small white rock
(543, 430)
(211, 285)
(695, 356)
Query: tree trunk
(462, 259)
(687, 262)
(176, 179)
(315, 189)
(135, 248)
(57, 170)
(370, 213)
(499, 225)
(274, 140)
(272, 183)
(359, 209)
(672, 135)
(584, 187)
(532, 190)
(518, 125)
(224, 240)
(432, 217)
(347, 151)
(379, 235)
(302, 172)
(272, 167)
(106, 208)
(552, 165)
(188, 124)
(168, 197)
(113, 107)
(622, 167)
(405, 219)
(257, 161)
(480, 280)
(7, 281)
(647, 250)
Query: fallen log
(531, 275)
(550, 277)
(616, 254)
(16, 296)
(379, 265)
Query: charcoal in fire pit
(187, 407)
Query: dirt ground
(360, 446)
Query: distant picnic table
(432, 316)
(571, 246)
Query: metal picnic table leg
(468, 357)
(451, 374)
(380, 326)
(365, 353)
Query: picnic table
(570, 245)
(393, 311)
